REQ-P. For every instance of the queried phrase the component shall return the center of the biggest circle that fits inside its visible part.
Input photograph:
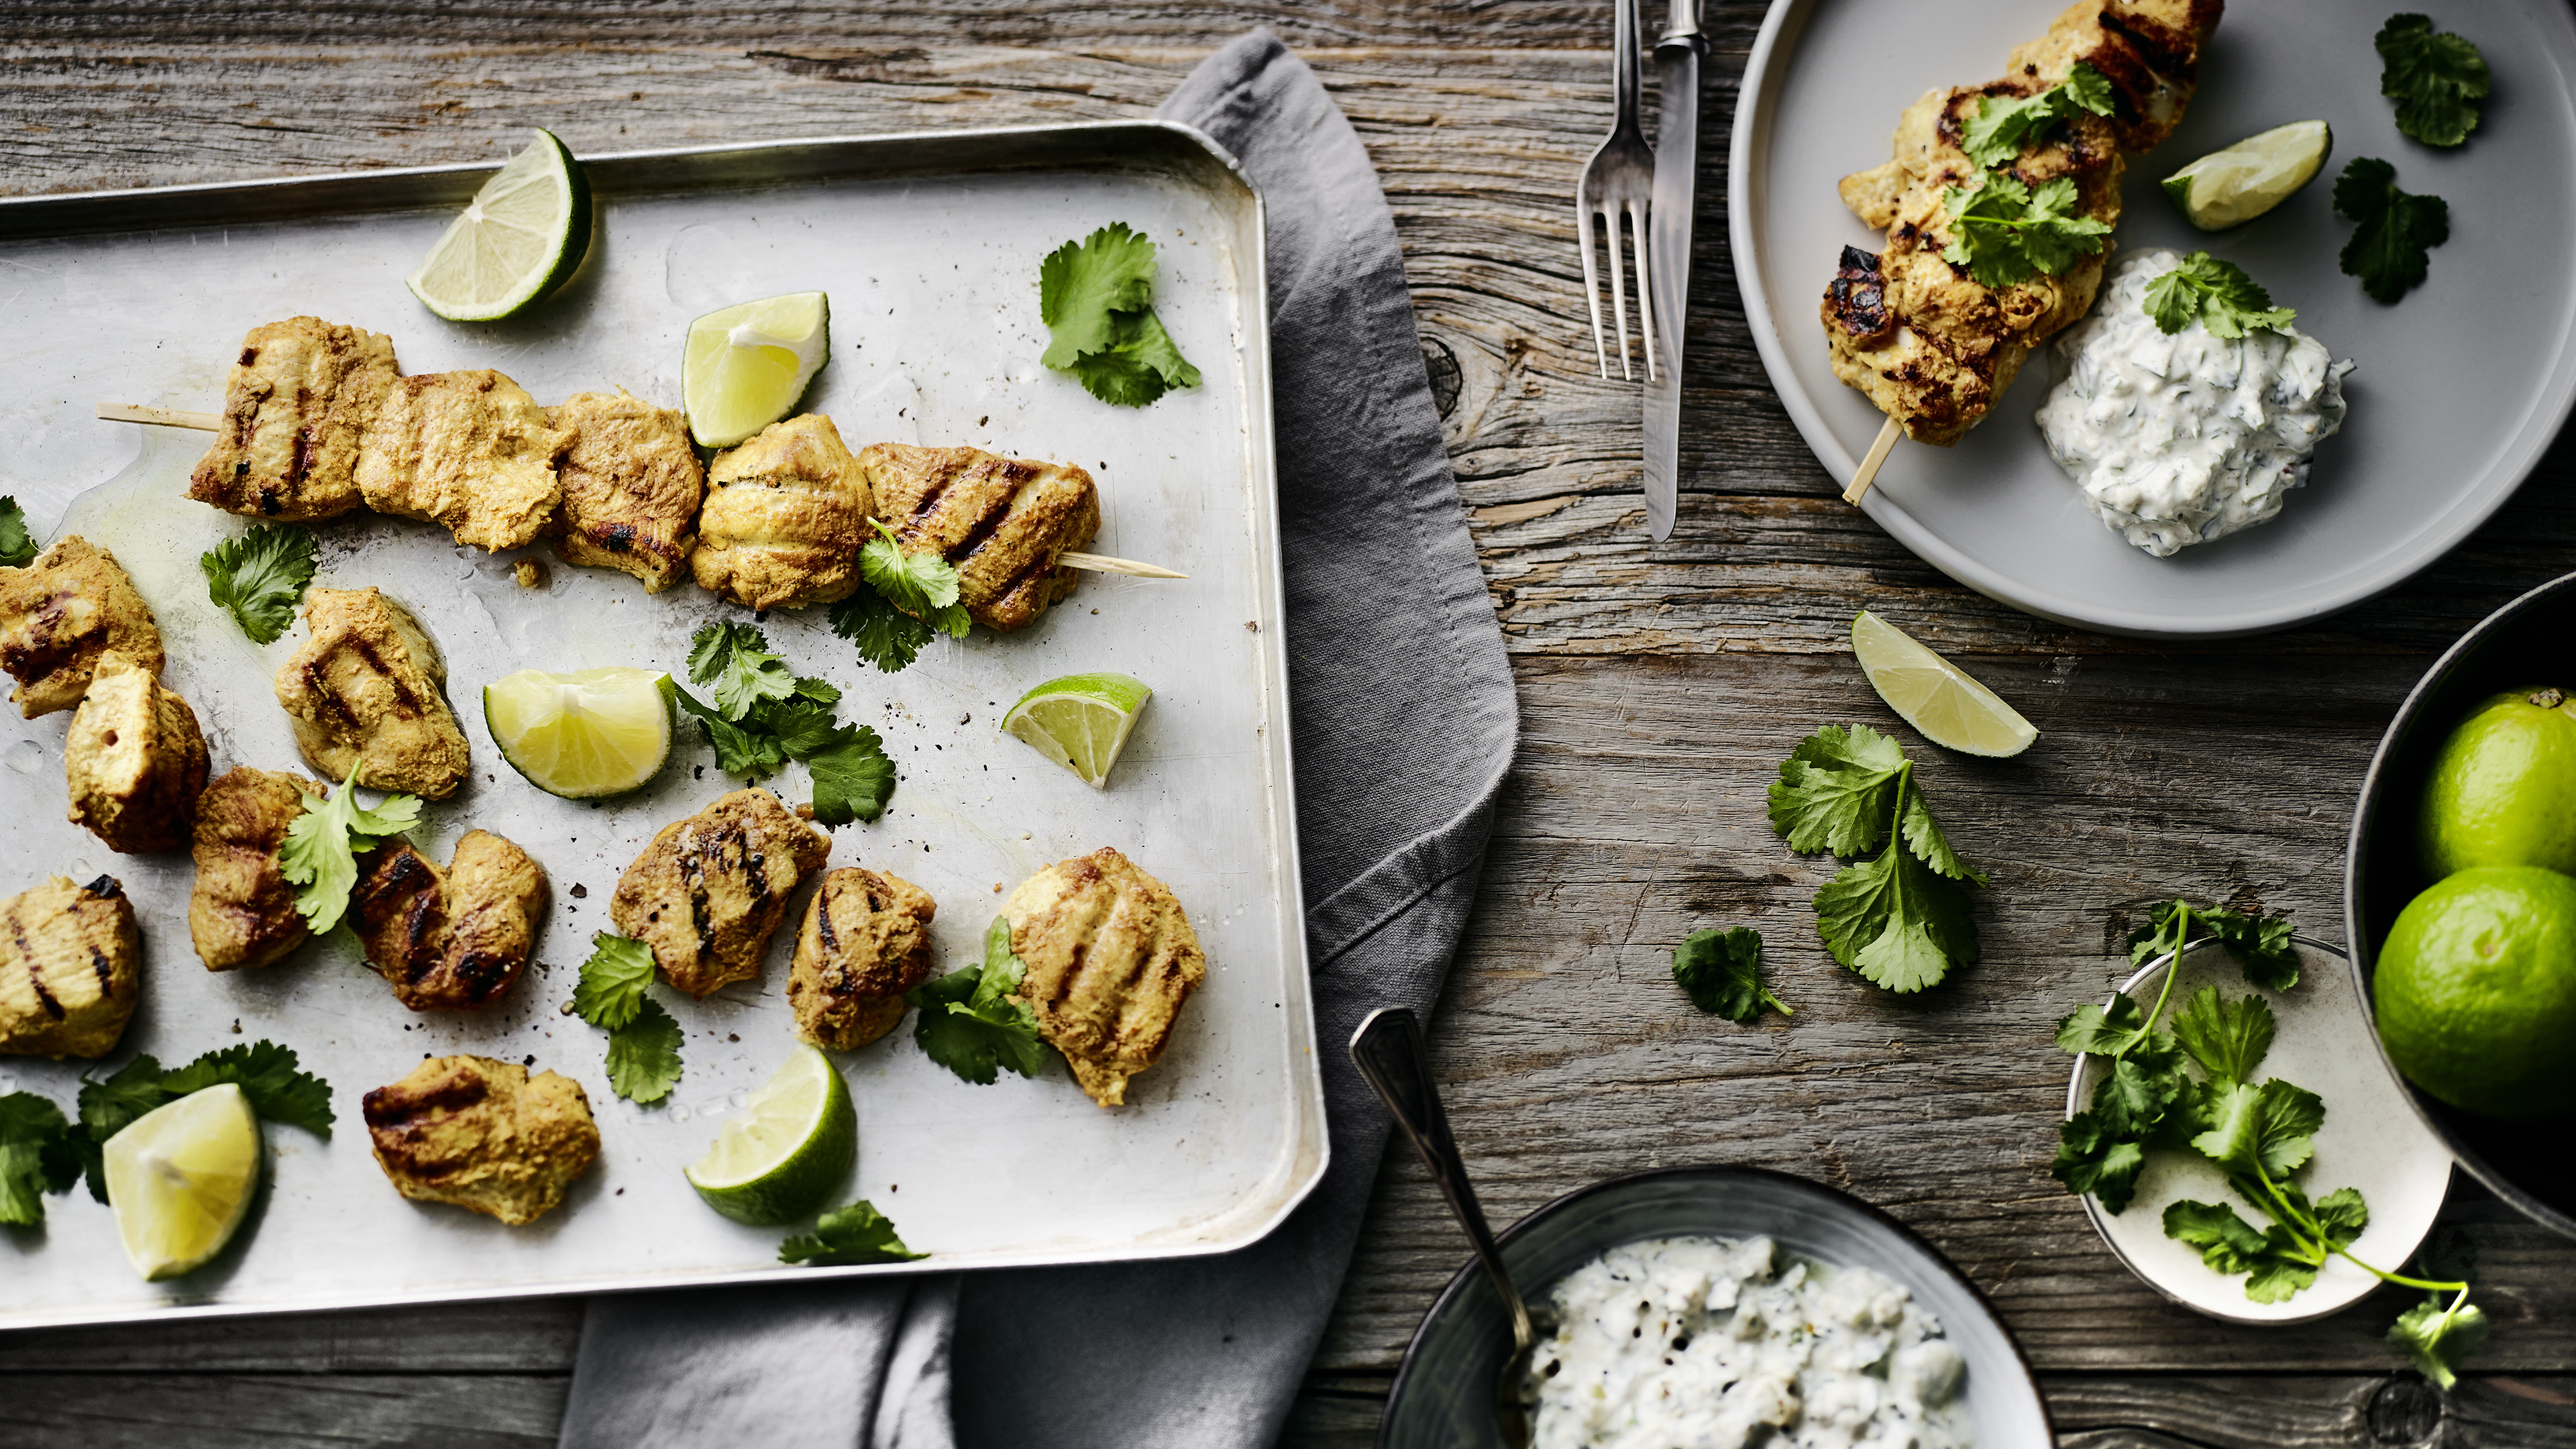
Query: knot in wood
(2406, 1410)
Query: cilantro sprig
(1721, 971)
(39, 1153)
(643, 1039)
(909, 598)
(260, 577)
(968, 1021)
(2393, 230)
(2438, 80)
(2004, 232)
(17, 545)
(320, 856)
(854, 1234)
(1096, 297)
(1900, 920)
(765, 714)
(2218, 294)
(278, 1087)
(2003, 125)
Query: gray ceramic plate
(1443, 1396)
(2458, 390)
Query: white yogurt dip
(2178, 440)
(1710, 1343)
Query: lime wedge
(1934, 695)
(581, 735)
(1080, 721)
(524, 233)
(180, 1177)
(2251, 177)
(786, 1152)
(746, 365)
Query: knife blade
(1677, 66)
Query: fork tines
(1609, 209)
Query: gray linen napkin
(1401, 700)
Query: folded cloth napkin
(1401, 701)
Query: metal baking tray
(929, 247)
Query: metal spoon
(1388, 1051)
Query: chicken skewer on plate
(1930, 330)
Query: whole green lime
(2503, 789)
(2476, 992)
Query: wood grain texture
(1660, 687)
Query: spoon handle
(1388, 1051)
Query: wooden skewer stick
(1867, 473)
(210, 422)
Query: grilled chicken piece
(631, 487)
(786, 515)
(365, 695)
(483, 1135)
(297, 404)
(1110, 959)
(71, 964)
(468, 450)
(242, 911)
(135, 760)
(866, 941)
(449, 940)
(1003, 522)
(708, 891)
(61, 615)
(1929, 344)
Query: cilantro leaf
(2004, 232)
(320, 856)
(2342, 1216)
(923, 585)
(611, 991)
(1722, 972)
(969, 1024)
(1834, 791)
(2091, 1158)
(106, 1108)
(751, 753)
(853, 778)
(2260, 944)
(2165, 931)
(644, 1054)
(2440, 1341)
(887, 637)
(2227, 1243)
(37, 1156)
(2219, 294)
(1924, 838)
(2003, 125)
(801, 725)
(2132, 1097)
(854, 1234)
(260, 577)
(2279, 1272)
(2393, 229)
(1096, 297)
(2438, 80)
(2227, 1038)
(2106, 1029)
(1896, 921)
(17, 545)
(734, 662)
(2270, 1127)
(269, 1075)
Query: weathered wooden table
(1659, 685)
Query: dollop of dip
(1715, 1343)
(2181, 439)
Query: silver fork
(1620, 177)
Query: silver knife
(1677, 62)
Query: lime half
(580, 735)
(1934, 695)
(786, 1152)
(746, 365)
(180, 1177)
(2251, 177)
(524, 233)
(1080, 721)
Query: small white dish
(2372, 1141)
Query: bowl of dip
(1731, 1273)
(2525, 643)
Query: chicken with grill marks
(1921, 338)
(134, 761)
(631, 487)
(449, 940)
(865, 942)
(1111, 959)
(297, 404)
(708, 891)
(71, 968)
(61, 615)
(241, 911)
(785, 517)
(467, 450)
(365, 694)
(483, 1135)
(1002, 522)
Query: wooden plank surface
(1660, 685)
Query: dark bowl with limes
(2531, 640)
